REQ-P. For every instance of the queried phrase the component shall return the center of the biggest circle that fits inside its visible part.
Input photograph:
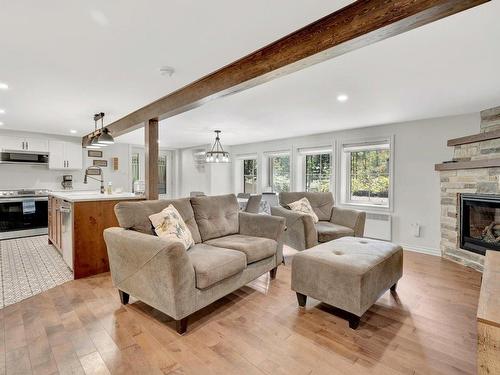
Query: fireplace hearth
(479, 222)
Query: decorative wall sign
(94, 154)
(114, 162)
(100, 163)
(93, 172)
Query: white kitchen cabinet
(65, 155)
(8, 143)
(36, 145)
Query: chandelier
(217, 153)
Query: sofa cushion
(213, 264)
(135, 215)
(255, 248)
(216, 216)
(321, 202)
(328, 231)
(168, 224)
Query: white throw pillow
(303, 205)
(169, 225)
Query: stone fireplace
(479, 225)
(470, 194)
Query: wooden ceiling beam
(357, 25)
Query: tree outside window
(250, 176)
(279, 173)
(318, 172)
(369, 178)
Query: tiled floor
(29, 266)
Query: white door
(73, 155)
(12, 143)
(56, 155)
(36, 145)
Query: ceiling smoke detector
(167, 71)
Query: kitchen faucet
(94, 178)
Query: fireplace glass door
(479, 222)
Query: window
(135, 169)
(279, 173)
(368, 173)
(162, 174)
(318, 171)
(250, 176)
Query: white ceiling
(66, 60)
(446, 68)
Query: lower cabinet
(55, 222)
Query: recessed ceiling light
(2, 111)
(3, 86)
(342, 98)
(72, 131)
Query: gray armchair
(334, 222)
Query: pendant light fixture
(100, 137)
(217, 153)
(104, 138)
(93, 143)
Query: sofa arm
(350, 218)
(300, 232)
(261, 225)
(156, 271)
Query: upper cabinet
(65, 155)
(8, 143)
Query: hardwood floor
(427, 327)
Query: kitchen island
(77, 220)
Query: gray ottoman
(349, 273)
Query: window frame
(304, 152)
(256, 175)
(270, 177)
(366, 143)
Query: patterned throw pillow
(303, 205)
(168, 224)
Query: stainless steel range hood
(24, 157)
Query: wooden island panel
(90, 218)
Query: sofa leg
(181, 325)
(273, 272)
(124, 297)
(393, 288)
(354, 321)
(301, 299)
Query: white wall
(212, 179)
(418, 145)
(16, 176)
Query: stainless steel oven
(23, 213)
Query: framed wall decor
(93, 172)
(100, 163)
(94, 154)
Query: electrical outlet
(416, 229)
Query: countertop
(88, 196)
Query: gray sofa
(231, 249)
(334, 222)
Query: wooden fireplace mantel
(468, 164)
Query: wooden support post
(151, 151)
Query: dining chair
(253, 204)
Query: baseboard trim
(422, 249)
